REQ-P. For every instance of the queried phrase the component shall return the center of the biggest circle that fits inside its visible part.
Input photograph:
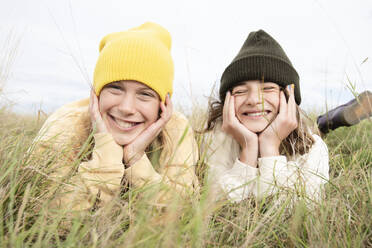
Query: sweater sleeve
(96, 180)
(80, 185)
(177, 163)
(238, 182)
(228, 177)
(305, 175)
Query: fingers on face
(169, 104)
(232, 108)
(93, 104)
(163, 109)
(292, 102)
(226, 107)
(283, 104)
(291, 94)
(166, 108)
(292, 108)
(155, 128)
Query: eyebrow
(144, 88)
(140, 88)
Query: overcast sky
(55, 44)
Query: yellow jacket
(99, 179)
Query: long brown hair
(299, 141)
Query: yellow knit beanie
(141, 54)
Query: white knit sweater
(230, 178)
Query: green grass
(343, 219)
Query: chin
(256, 129)
(123, 140)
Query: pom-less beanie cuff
(260, 58)
(260, 67)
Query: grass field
(343, 219)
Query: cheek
(150, 111)
(102, 104)
(273, 100)
(105, 102)
(276, 104)
(238, 101)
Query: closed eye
(239, 92)
(114, 89)
(146, 95)
(270, 88)
(114, 86)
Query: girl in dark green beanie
(260, 144)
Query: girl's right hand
(95, 116)
(247, 140)
(135, 150)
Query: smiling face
(256, 104)
(127, 109)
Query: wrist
(130, 157)
(268, 150)
(249, 156)
(249, 143)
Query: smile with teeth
(256, 114)
(124, 124)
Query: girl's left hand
(284, 123)
(135, 150)
(95, 115)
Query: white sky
(327, 41)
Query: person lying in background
(348, 114)
(138, 138)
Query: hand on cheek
(247, 140)
(136, 149)
(284, 123)
(95, 116)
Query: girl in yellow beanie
(138, 138)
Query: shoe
(360, 109)
(347, 114)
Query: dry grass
(341, 220)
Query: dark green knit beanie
(260, 58)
